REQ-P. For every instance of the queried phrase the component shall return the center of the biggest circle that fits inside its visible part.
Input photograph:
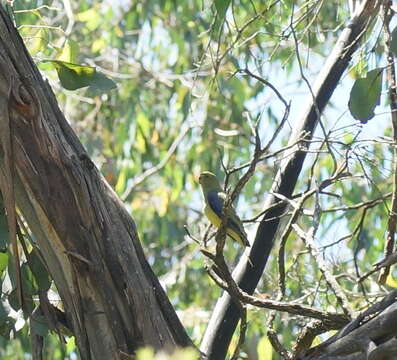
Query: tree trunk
(112, 300)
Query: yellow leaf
(98, 45)
(265, 349)
(121, 181)
(390, 281)
(143, 122)
(69, 52)
(184, 354)
(118, 31)
(145, 354)
(91, 18)
(136, 203)
(140, 142)
(35, 39)
(143, 131)
(164, 198)
(155, 137)
(317, 341)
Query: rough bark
(371, 336)
(113, 301)
(247, 274)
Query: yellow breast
(216, 221)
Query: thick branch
(370, 336)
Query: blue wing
(216, 203)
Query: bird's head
(209, 181)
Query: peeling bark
(112, 300)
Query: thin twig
(239, 34)
(316, 108)
(367, 204)
(267, 156)
(277, 346)
(267, 83)
(227, 283)
(308, 238)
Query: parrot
(214, 198)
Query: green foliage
(183, 104)
(39, 326)
(365, 95)
(39, 272)
(221, 7)
(73, 77)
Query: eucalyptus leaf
(365, 95)
(74, 76)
